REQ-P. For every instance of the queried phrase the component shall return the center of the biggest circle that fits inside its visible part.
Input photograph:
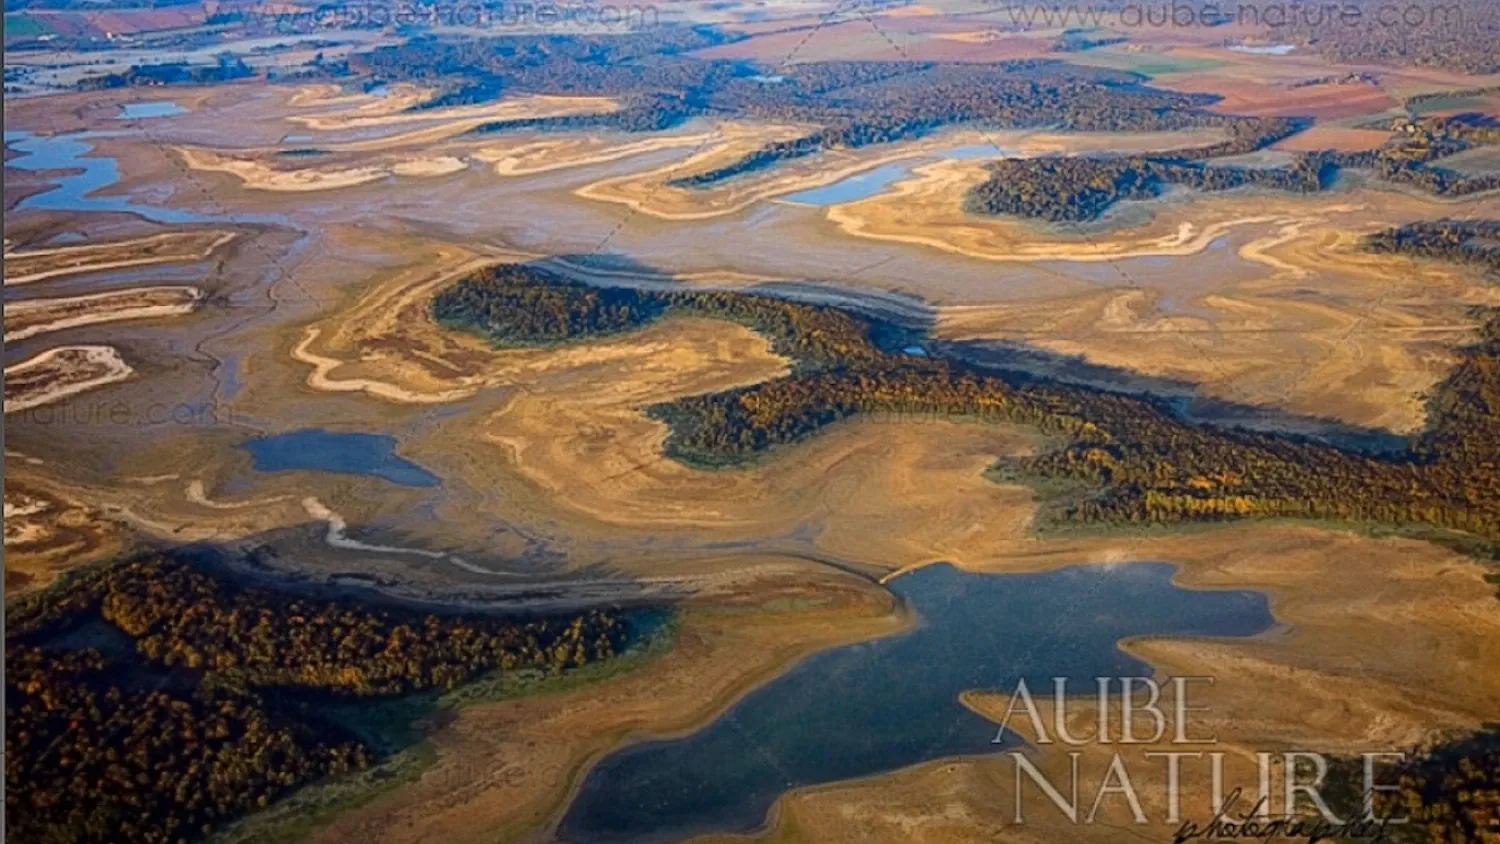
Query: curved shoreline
(171, 300)
(1305, 661)
(911, 620)
(143, 243)
(108, 367)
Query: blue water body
(76, 191)
(871, 182)
(889, 703)
(317, 450)
(968, 151)
(229, 377)
(1267, 50)
(157, 108)
(858, 186)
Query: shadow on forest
(901, 323)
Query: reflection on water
(871, 182)
(1264, 49)
(85, 175)
(885, 704)
(317, 450)
(158, 108)
(858, 186)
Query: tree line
(1081, 188)
(925, 97)
(1458, 35)
(1077, 189)
(853, 104)
(520, 304)
(1475, 242)
(1132, 458)
(1449, 789)
(183, 729)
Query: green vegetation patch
(1149, 64)
(1428, 106)
(23, 26)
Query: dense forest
(518, 304)
(1474, 242)
(924, 97)
(1075, 189)
(227, 69)
(855, 103)
(90, 758)
(659, 84)
(512, 304)
(143, 698)
(1457, 35)
(1452, 790)
(1081, 188)
(1131, 458)
(1449, 789)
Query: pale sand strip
(31, 315)
(649, 192)
(514, 109)
(545, 156)
(323, 367)
(83, 251)
(257, 175)
(77, 369)
(925, 210)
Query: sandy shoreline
(258, 175)
(1342, 675)
(31, 317)
(33, 265)
(59, 373)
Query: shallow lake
(317, 450)
(1265, 49)
(158, 108)
(871, 182)
(83, 175)
(889, 703)
(859, 186)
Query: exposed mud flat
(62, 372)
(653, 193)
(32, 265)
(504, 770)
(364, 113)
(1305, 686)
(30, 317)
(1348, 674)
(530, 157)
(46, 534)
(259, 175)
(554, 486)
(1326, 329)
